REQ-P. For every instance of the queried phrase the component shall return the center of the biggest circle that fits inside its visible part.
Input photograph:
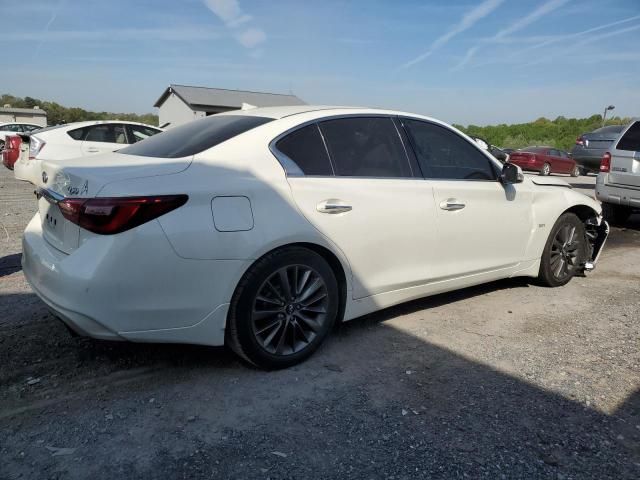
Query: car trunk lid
(85, 178)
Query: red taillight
(580, 140)
(14, 142)
(605, 163)
(107, 216)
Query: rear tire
(615, 214)
(283, 308)
(546, 170)
(576, 172)
(564, 253)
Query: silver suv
(618, 184)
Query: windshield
(195, 137)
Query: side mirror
(511, 174)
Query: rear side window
(366, 147)
(107, 133)
(444, 154)
(78, 133)
(195, 137)
(306, 149)
(631, 139)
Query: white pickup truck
(618, 184)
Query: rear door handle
(452, 204)
(333, 206)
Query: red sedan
(545, 160)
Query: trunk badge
(45, 177)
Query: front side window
(631, 139)
(13, 127)
(195, 137)
(305, 148)
(138, 133)
(366, 147)
(443, 154)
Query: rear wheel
(576, 172)
(546, 170)
(283, 308)
(564, 252)
(615, 214)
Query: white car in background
(262, 228)
(77, 140)
(16, 128)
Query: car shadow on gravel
(374, 402)
(10, 264)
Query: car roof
(88, 123)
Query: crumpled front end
(597, 230)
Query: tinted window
(195, 137)
(78, 133)
(445, 154)
(12, 127)
(31, 128)
(631, 139)
(306, 149)
(140, 132)
(365, 147)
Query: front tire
(564, 253)
(283, 308)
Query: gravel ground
(506, 380)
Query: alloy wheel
(546, 169)
(289, 310)
(564, 252)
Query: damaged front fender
(597, 231)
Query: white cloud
(544, 9)
(468, 20)
(232, 15)
(251, 37)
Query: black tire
(576, 172)
(546, 170)
(615, 214)
(260, 295)
(560, 263)
(584, 171)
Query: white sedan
(75, 140)
(261, 229)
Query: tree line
(560, 133)
(58, 114)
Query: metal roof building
(35, 116)
(179, 104)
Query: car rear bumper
(627, 196)
(589, 159)
(131, 286)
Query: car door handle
(451, 204)
(92, 150)
(333, 206)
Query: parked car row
(261, 229)
(25, 151)
(545, 161)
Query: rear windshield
(610, 129)
(533, 149)
(630, 140)
(194, 137)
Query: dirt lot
(507, 380)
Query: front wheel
(565, 251)
(283, 308)
(546, 170)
